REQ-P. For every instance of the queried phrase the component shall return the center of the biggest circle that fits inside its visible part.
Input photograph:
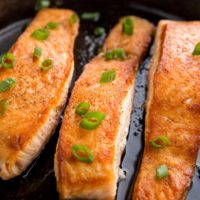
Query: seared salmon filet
(42, 73)
(172, 132)
(97, 118)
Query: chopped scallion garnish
(37, 52)
(160, 142)
(162, 172)
(99, 31)
(94, 16)
(52, 25)
(3, 106)
(82, 108)
(196, 50)
(92, 120)
(82, 153)
(40, 34)
(40, 4)
(108, 76)
(127, 26)
(115, 54)
(7, 60)
(7, 84)
(73, 19)
(47, 64)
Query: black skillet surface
(38, 181)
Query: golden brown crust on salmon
(98, 180)
(38, 97)
(172, 110)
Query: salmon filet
(173, 111)
(38, 97)
(112, 99)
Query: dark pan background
(38, 181)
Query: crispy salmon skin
(173, 110)
(98, 179)
(38, 96)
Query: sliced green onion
(7, 84)
(127, 26)
(92, 120)
(7, 60)
(196, 50)
(108, 76)
(37, 52)
(73, 19)
(108, 55)
(3, 106)
(52, 25)
(115, 54)
(40, 4)
(47, 64)
(119, 54)
(82, 153)
(94, 16)
(82, 108)
(162, 172)
(59, 3)
(98, 31)
(40, 34)
(160, 142)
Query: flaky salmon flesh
(173, 114)
(38, 96)
(98, 179)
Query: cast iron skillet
(38, 181)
